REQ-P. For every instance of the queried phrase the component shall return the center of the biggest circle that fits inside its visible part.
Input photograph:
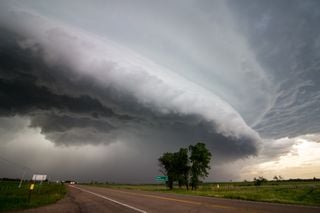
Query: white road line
(104, 197)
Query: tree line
(187, 166)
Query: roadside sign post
(162, 178)
(31, 188)
(41, 178)
(37, 177)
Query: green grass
(12, 197)
(302, 192)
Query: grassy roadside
(12, 197)
(303, 193)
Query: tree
(259, 181)
(166, 163)
(176, 167)
(200, 158)
(182, 167)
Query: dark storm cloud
(26, 89)
(70, 108)
(285, 37)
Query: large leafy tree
(200, 158)
(177, 165)
(182, 167)
(167, 167)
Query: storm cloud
(285, 38)
(81, 89)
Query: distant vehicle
(71, 182)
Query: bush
(259, 181)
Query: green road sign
(161, 178)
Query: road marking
(104, 197)
(174, 199)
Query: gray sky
(98, 90)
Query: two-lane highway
(95, 199)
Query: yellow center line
(174, 199)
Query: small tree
(259, 181)
(200, 159)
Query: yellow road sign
(32, 186)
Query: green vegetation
(290, 192)
(12, 197)
(200, 159)
(258, 181)
(185, 169)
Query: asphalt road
(94, 200)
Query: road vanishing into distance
(91, 199)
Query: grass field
(12, 197)
(289, 192)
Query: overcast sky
(98, 90)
